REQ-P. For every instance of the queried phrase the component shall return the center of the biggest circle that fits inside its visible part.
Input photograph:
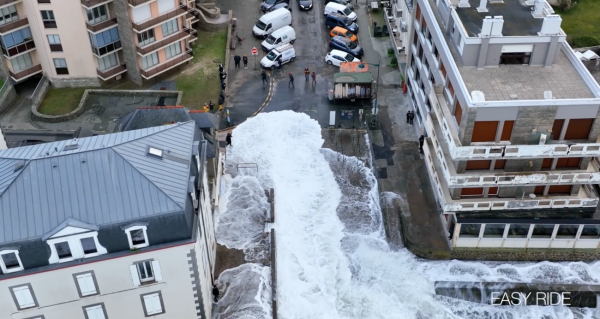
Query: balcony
(102, 25)
(160, 68)
(18, 49)
(88, 4)
(8, 2)
(22, 75)
(135, 3)
(110, 73)
(182, 34)
(171, 14)
(6, 28)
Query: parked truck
(352, 86)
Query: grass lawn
(582, 19)
(1, 83)
(200, 80)
(61, 101)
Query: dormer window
(73, 240)
(137, 236)
(10, 261)
(63, 250)
(156, 152)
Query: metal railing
(91, 3)
(13, 25)
(102, 25)
(165, 16)
(182, 34)
(26, 73)
(107, 74)
(185, 56)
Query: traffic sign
(254, 51)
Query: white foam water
(332, 257)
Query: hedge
(584, 41)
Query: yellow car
(339, 31)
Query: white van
(272, 21)
(333, 7)
(280, 37)
(285, 52)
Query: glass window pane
(10, 260)
(89, 246)
(114, 34)
(590, 232)
(26, 33)
(63, 250)
(100, 40)
(518, 231)
(567, 231)
(44, 15)
(142, 271)
(542, 231)
(17, 37)
(470, 230)
(493, 230)
(137, 237)
(9, 41)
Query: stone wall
(8, 95)
(127, 41)
(37, 98)
(467, 124)
(207, 23)
(540, 118)
(75, 82)
(499, 254)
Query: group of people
(307, 75)
(237, 60)
(410, 116)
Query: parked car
(305, 4)
(344, 44)
(271, 22)
(338, 20)
(335, 57)
(278, 38)
(285, 52)
(339, 31)
(341, 9)
(285, 5)
(344, 2)
(267, 5)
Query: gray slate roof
(108, 179)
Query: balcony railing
(92, 3)
(458, 152)
(5, 28)
(182, 34)
(107, 74)
(102, 25)
(21, 48)
(26, 73)
(186, 56)
(7, 2)
(148, 23)
(137, 2)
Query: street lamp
(362, 66)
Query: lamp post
(374, 118)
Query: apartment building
(87, 42)
(512, 122)
(105, 227)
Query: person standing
(228, 139)
(220, 67)
(245, 58)
(263, 76)
(215, 292)
(412, 117)
(206, 108)
(237, 60)
(314, 78)
(211, 106)
(291, 80)
(408, 117)
(279, 63)
(421, 142)
(306, 73)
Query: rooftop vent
(538, 8)
(548, 95)
(464, 4)
(157, 152)
(477, 96)
(482, 6)
(19, 165)
(70, 147)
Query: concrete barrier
(7, 96)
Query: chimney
(538, 9)
(482, 6)
(464, 4)
(551, 25)
(497, 26)
(486, 27)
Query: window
(507, 130)
(458, 113)
(54, 41)
(105, 42)
(15, 38)
(48, 19)
(147, 271)
(568, 162)
(493, 230)
(62, 249)
(10, 261)
(61, 66)
(478, 165)
(567, 231)
(146, 37)
(471, 192)
(23, 296)
(518, 230)
(86, 284)
(560, 190)
(21, 62)
(590, 232)
(137, 236)
(149, 61)
(542, 231)
(153, 303)
(579, 129)
(173, 50)
(88, 245)
(556, 129)
(470, 230)
(108, 61)
(97, 15)
(484, 131)
(170, 27)
(515, 58)
(8, 14)
(95, 311)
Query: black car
(284, 5)
(338, 20)
(344, 44)
(305, 4)
(269, 4)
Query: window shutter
(86, 284)
(134, 275)
(152, 304)
(156, 269)
(24, 297)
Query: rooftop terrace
(518, 20)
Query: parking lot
(247, 93)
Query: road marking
(269, 96)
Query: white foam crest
(245, 293)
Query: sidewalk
(411, 219)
